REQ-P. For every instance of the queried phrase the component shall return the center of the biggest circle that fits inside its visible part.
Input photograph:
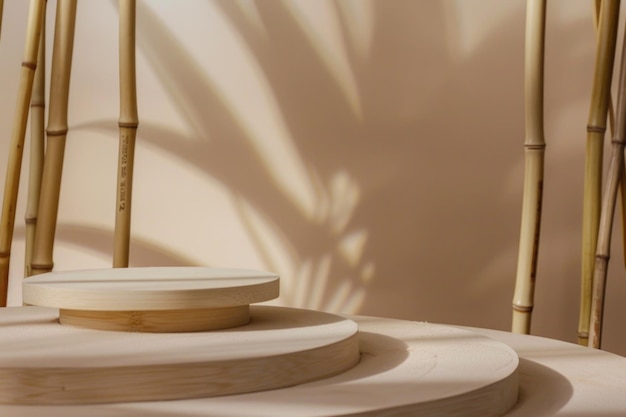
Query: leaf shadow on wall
(431, 163)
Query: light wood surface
(159, 321)
(158, 299)
(405, 368)
(556, 379)
(279, 348)
(156, 288)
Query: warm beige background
(370, 152)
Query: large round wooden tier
(159, 299)
(43, 362)
(405, 368)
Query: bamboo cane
(57, 133)
(534, 147)
(596, 128)
(622, 192)
(616, 165)
(128, 123)
(16, 147)
(1, 10)
(37, 133)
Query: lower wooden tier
(44, 362)
(405, 368)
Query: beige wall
(370, 152)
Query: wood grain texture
(158, 321)
(275, 350)
(556, 379)
(157, 288)
(406, 369)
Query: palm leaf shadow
(222, 149)
(406, 194)
(100, 240)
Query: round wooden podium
(175, 299)
(303, 362)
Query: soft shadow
(543, 391)
(431, 154)
(100, 240)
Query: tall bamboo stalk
(37, 140)
(534, 147)
(603, 250)
(596, 128)
(57, 133)
(16, 147)
(128, 123)
(1, 10)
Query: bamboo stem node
(523, 309)
(56, 132)
(534, 145)
(603, 256)
(42, 267)
(596, 129)
(595, 214)
(30, 65)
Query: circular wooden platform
(405, 369)
(43, 362)
(163, 299)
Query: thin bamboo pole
(534, 147)
(596, 128)
(128, 123)
(616, 166)
(622, 191)
(1, 10)
(57, 133)
(37, 140)
(16, 147)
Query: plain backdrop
(370, 152)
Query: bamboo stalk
(534, 147)
(37, 140)
(596, 128)
(1, 10)
(16, 147)
(57, 133)
(622, 193)
(585, 310)
(585, 340)
(596, 22)
(616, 166)
(128, 123)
